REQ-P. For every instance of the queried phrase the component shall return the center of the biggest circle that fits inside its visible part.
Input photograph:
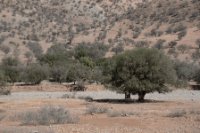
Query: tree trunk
(127, 96)
(141, 96)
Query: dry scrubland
(29, 28)
(68, 40)
(75, 112)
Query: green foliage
(4, 90)
(93, 51)
(58, 72)
(55, 54)
(87, 61)
(35, 73)
(118, 49)
(142, 71)
(77, 72)
(159, 44)
(183, 48)
(185, 71)
(11, 68)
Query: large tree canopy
(142, 71)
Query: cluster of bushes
(138, 71)
(58, 64)
(48, 115)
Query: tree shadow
(123, 101)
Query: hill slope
(28, 26)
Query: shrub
(48, 115)
(4, 90)
(172, 44)
(119, 113)
(86, 98)
(198, 43)
(118, 49)
(35, 48)
(96, 109)
(58, 72)
(78, 72)
(5, 49)
(176, 113)
(70, 96)
(78, 87)
(179, 28)
(11, 69)
(35, 73)
(182, 34)
(196, 55)
(159, 44)
(183, 48)
(141, 44)
(94, 51)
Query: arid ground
(176, 112)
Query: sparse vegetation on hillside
(40, 24)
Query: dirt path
(178, 95)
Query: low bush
(176, 113)
(96, 109)
(2, 116)
(4, 89)
(194, 112)
(120, 113)
(70, 96)
(48, 115)
(35, 73)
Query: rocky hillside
(29, 27)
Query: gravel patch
(180, 95)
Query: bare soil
(150, 117)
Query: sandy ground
(149, 117)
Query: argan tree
(142, 71)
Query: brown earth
(151, 117)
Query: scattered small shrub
(96, 109)
(78, 87)
(182, 48)
(159, 44)
(48, 115)
(140, 44)
(70, 96)
(86, 98)
(194, 112)
(35, 48)
(120, 113)
(182, 34)
(176, 113)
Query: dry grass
(177, 113)
(113, 113)
(48, 115)
(96, 109)
(16, 130)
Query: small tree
(78, 72)
(185, 72)
(11, 68)
(142, 71)
(35, 73)
(182, 48)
